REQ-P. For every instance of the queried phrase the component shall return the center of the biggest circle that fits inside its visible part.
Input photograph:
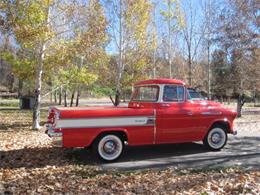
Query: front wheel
(216, 138)
(108, 147)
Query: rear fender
(111, 130)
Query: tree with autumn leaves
(237, 38)
(30, 24)
(67, 42)
(128, 32)
(55, 35)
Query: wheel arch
(122, 133)
(223, 123)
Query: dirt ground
(30, 164)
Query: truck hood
(208, 103)
(218, 106)
(101, 111)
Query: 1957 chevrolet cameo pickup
(160, 111)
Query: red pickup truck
(160, 111)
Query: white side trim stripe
(103, 122)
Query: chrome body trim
(211, 113)
(154, 127)
(104, 122)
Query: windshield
(194, 95)
(146, 93)
(173, 93)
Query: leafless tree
(192, 37)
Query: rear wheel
(108, 147)
(216, 138)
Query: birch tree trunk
(209, 70)
(38, 82)
(208, 12)
(192, 41)
(37, 91)
(120, 64)
(154, 38)
(170, 40)
(240, 100)
(190, 66)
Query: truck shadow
(243, 151)
(240, 151)
(56, 156)
(138, 153)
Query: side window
(173, 93)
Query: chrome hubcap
(109, 147)
(216, 138)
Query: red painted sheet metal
(84, 137)
(92, 112)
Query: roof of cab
(160, 81)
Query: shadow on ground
(243, 151)
(55, 156)
(240, 151)
(15, 125)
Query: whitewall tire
(109, 147)
(216, 138)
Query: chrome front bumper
(234, 132)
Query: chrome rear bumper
(51, 132)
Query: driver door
(176, 117)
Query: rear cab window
(149, 93)
(173, 93)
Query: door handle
(139, 106)
(165, 105)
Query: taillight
(51, 116)
(57, 130)
(50, 120)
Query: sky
(161, 24)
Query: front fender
(225, 122)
